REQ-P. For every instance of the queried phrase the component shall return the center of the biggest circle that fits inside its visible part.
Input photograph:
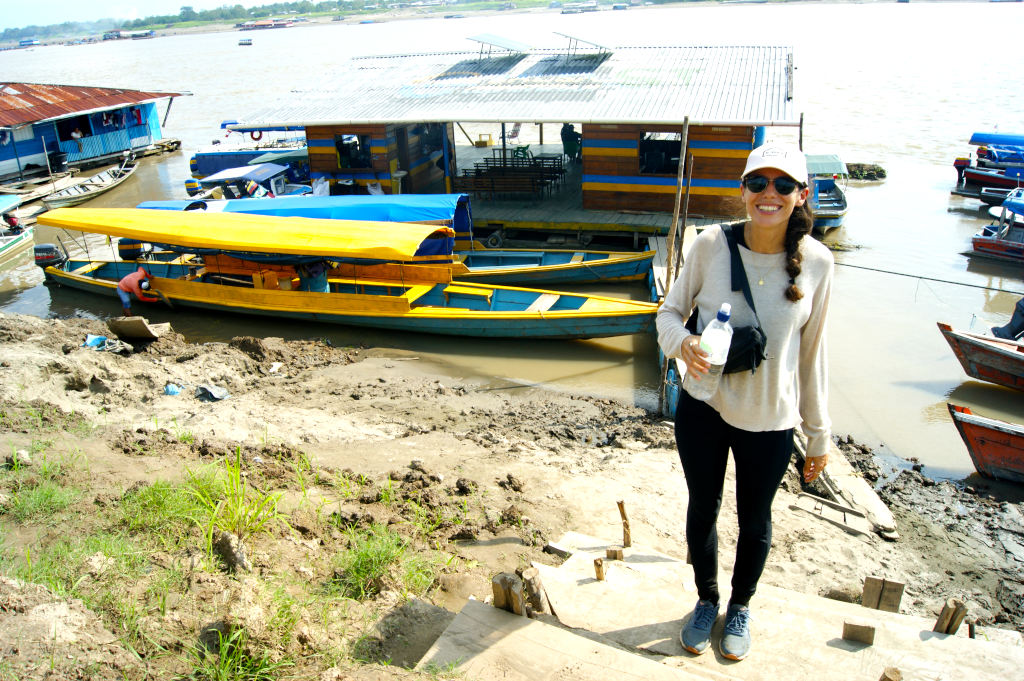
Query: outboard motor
(132, 249)
(193, 165)
(1015, 327)
(961, 164)
(192, 186)
(49, 254)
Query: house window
(70, 125)
(659, 153)
(24, 134)
(353, 151)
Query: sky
(18, 13)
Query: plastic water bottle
(715, 341)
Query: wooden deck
(558, 217)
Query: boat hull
(996, 447)
(14, 243)
(987, 359)
(463, 309)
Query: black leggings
(761, 458)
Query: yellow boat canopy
(242, 232)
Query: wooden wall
(612, 178)
(392, 147)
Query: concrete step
(645, 599)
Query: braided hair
(800, 223)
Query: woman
(753, 414)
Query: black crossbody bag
(746, 351)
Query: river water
(880, 83)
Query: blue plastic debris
(94, 341)
(172, 389)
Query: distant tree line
(233, 13)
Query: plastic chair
(513, 134)
(522, 151)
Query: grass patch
(376, 558)
(232, 505)
(38, 492)
(236, 661)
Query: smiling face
(769, 209)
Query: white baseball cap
(784, 157)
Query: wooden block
(872, 593)
(613, 553)
(536, 597)
(507, 590)
(855, 631)
(958, 617)
(945, 617)
(556, 550)
(626, 539)
(891, 674)
(892, 594)
(599, 569)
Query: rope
(918, 276)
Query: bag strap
(739, 274)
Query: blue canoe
(472, 260)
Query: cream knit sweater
(790, 388)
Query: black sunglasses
(784, 185)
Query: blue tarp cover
(997, 138)
(9, 202)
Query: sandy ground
(537, 464)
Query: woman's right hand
(695, 358)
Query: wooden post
(892, 594)
(891, 674)
(946, 616)
(613, 553)
(536, 597)
(599, 569)
(686, 212)
(507, 589)
(626, 538)
(957, 619)
(674, 229)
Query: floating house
(392, 123)
(45, 127)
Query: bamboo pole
(674, 229)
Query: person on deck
(138, 283)
(571, 140)
(313, 276)
(752, 413)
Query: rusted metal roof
(725, 85)
(24, 103)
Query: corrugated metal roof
(23, 103)
(710, 85)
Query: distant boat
(245, 41)
(93, 186)
(996, 447)
(1003, 239)
(828, 177)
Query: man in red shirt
(137, 282)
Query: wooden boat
(987, 358)
(38, 187)
(828, 176)
(471, 260)
(1003, 239)
(996, 447)
(93, 186)
(12, 240)
(249, 265)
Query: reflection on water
(890, 367)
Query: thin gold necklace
(761, 271)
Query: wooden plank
(858, 632)
(892, 595)
(543, 302)
(872, 592)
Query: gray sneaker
(696, 635)
(736, 635)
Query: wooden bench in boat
(544, 302)
(456, 290)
